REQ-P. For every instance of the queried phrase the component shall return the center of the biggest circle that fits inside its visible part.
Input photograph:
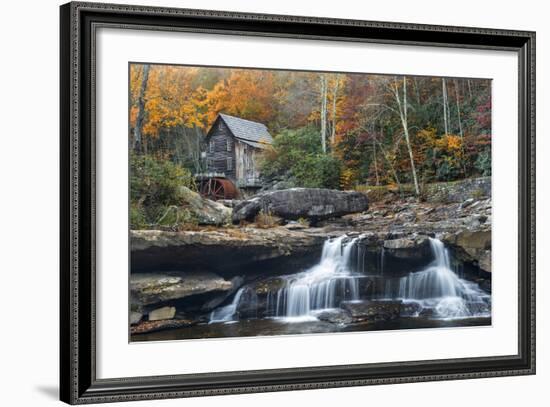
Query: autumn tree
(245, 93)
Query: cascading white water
(226, 313)
(439, 288)
(437, 280)
(436, 288)
(323, 286)
(382, 255)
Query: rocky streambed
(250, 280)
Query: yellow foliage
(454, 142)
(451, 144)
(170, 100)
(347, 178)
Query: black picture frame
(78, 382)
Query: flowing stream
(436, 290)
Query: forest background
(331, 130)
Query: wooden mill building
(232, 148)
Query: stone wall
(459, 191)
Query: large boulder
(162, 313)
(205, 211)
(296, 203)
(472, 246)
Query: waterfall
(226, 313)
(323, 286)
(436, 290)
(382, 255)
(438, 287)
(437, 280)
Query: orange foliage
(170, 100)
(246, 93)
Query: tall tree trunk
(417, 92)
(458, 110)
(374, 158)
(334, 97)
(198, 159)
(445, 104)
(324, 112)
(461, 132)
(141, 109)
(403, 107)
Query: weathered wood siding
(246, 158)
(216, 150)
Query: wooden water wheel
(218, 188)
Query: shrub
(483, 163)
(304, 222)
(478, 193)
(138, 220)
(347, 177)
(265, 220)
(448, 170)
(155, 186)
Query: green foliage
(319, 171)
(297, 154)
(447, 169)
(155, 191)
(288, 147)
(483, 163)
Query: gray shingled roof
(250, 132)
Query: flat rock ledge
(154, 326)
(153, 288)
(220, 251)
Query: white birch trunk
(403, 107)
(461, 132)
(458, 110)
(375, 160)
(334, 98)
(444, 91)
(324, 113)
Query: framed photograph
(256, 203)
